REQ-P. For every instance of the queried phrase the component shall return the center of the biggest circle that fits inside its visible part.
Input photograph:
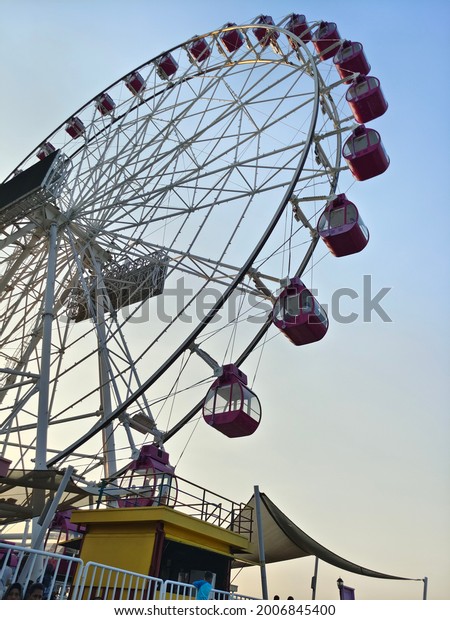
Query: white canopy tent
(281, 539)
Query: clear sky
(354, 444)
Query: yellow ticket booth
(159, 541)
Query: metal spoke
(175, 196)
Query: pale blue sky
(354, 446)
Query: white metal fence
(107, 582)
(58, 573)
(223, 595)
(68, 578)
(178, 590)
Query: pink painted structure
(341, 227)
(263, 35)
(350, 59)
(149, 481)
(75, 127)
(366, 99)
(326, 39)
(199, 50)
(230, 406)
(45, 150)
(232, 40)
(4, 466)
(365, 153)
(166, 66)
(298, 25)
(105, 104)
(135, 83)
(299, 315)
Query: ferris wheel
(148, 244)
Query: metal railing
(106, 582)
(58, 573)
(177, 590)
(196, 501)
(68, 578)
(224, 595)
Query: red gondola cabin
(166, 66)
(298, 25)
(149, 481)
(230, 406)
(75, 127)
(199, 51)
(232, 40)
(299, 315)
(326, 40)
(265, 35)
(45, 150)
(135, 83)
(341, 227)
(365, 153)
(366, 99)
(105, 104)
(350, 59)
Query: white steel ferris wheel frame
(179, 151)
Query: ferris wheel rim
(216, 32)
(196, 332)
(248, 263)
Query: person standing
(204, 587)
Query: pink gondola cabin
(326, 40)
(341, 227)
(166, 66)
(350, 59)
(299, 315)
(105, 104)
(199, 51)
(45, 150)
(230, 406)
(298, 25)
(231, 40)
(265, 35)
(75, 127)
(366, 99)
(149, 481)
(135, 82)
(365, 153)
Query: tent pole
(314, 579)
(261, 551)
(425, 588)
